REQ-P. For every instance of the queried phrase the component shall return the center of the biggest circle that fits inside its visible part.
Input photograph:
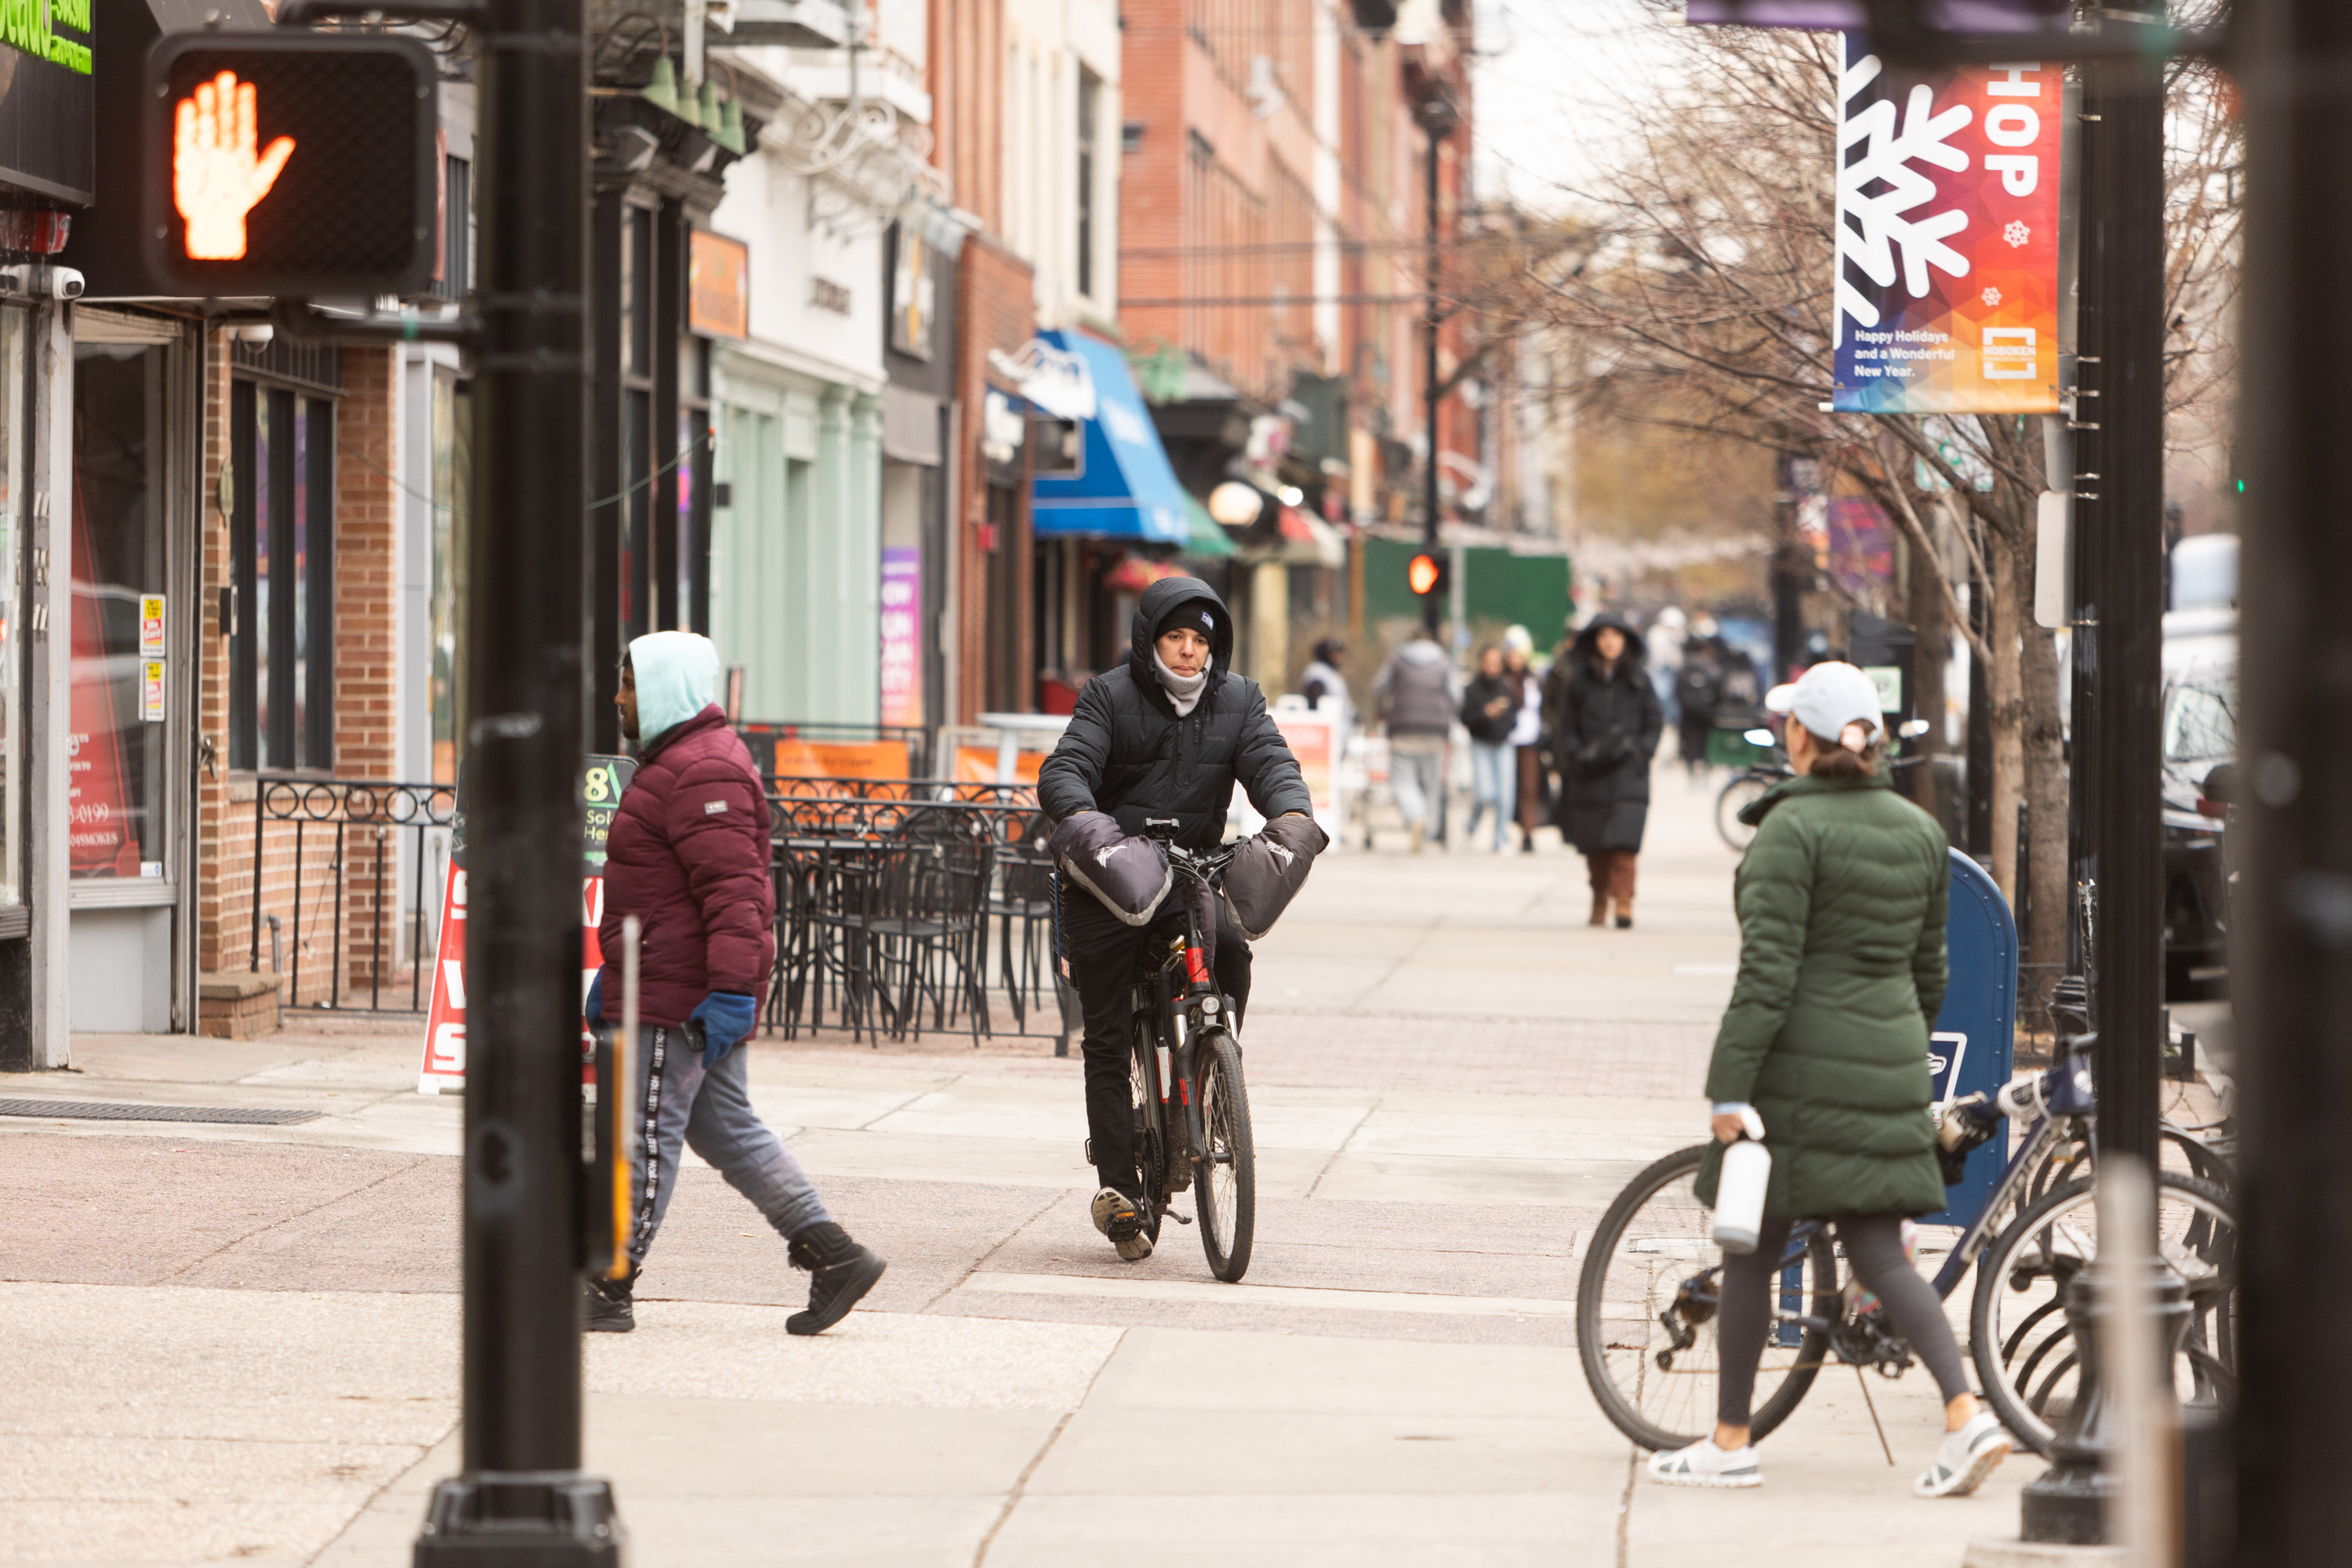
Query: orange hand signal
(216, 177)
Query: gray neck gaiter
(1184, 691)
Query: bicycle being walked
(1167, 735)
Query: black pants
(1103, 951)
(1874, 1250)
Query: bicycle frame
(2067, 1098)
(1182, 999)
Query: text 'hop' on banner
(1947, 238)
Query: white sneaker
(1964, 1458)
(1705, 1465)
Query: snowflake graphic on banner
(2016, 234)
(1873, 225)
(1990, 295)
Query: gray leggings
(1873, 1248)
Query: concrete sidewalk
(237, 1342)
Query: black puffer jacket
(1603, 734)
(1126, 752)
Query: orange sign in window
(718, 285)
(219, 171)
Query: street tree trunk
(2005, 702)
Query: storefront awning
(1124, 487)
(1209, 541)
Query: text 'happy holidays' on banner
(602, 780)
(1947, 258)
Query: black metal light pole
(2291, 955)
(2123, 142)
(2120, 655)
(522, 1497)
(1438, 117)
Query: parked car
(2200, 732)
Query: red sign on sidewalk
(445, 1026)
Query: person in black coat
(1604, 719)
(1168, 733)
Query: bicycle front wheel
(1735, 799)
(2025, 1352)
(1646, 1314)
(1227, 1183)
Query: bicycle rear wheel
(1646, 1314)
(2024, 1350)
(1735, 797)
(1227, 1185)
(1151, 1148)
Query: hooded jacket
(1603, 734)
(1842, 900)
(1128, 754)
(688, 854)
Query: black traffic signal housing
(290, 164)
(1427, 574)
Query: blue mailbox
(1975, 1038)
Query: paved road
(238, 1342)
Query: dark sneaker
(612, 1307)
(840, 1272)
(1122, 1219)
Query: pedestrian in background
(1326, 690)
(1698, 687)
(1668, 633)
(688, 856)
(1527, 736)
(1490, 711)
(1414, 696)
(1605, 720)
(1842, 901)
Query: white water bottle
(1739, 1186)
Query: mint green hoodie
(678, 677)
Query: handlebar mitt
(1267, 871)
(1128, 875)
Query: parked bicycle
(1647, 1293)
(1748, 785)
(1192, 1107)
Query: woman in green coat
(1842, 910)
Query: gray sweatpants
(682, 1103)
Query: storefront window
(14, 415)
(115, 744)
(453, 468)
(281, 658)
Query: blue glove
(595, 1008)
(726, 1017)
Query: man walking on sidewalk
(688, 857)
(1415, 696)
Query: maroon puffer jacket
(688, 857)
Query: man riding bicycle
(1166, 734)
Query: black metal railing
(360, 826)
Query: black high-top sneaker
(612, 1307)
(840, 1272)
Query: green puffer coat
(1842, 901)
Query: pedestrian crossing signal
(1426, 574)
(291, 163)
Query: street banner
(1947, 257)
(444, 1068)
(902, 640)
(1966, 17)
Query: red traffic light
(1426, 574)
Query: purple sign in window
(1854, 16)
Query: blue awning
(1125, 488)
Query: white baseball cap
(1827, 698)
